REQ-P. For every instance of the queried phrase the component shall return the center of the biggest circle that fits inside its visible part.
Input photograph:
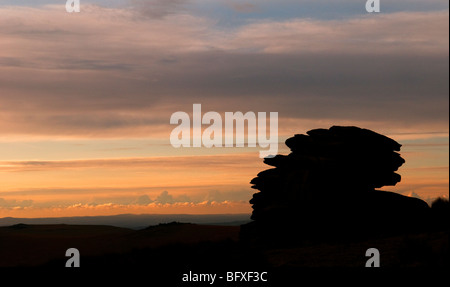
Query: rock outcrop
(326, 188)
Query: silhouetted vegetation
(440, 210)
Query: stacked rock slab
(328, 182)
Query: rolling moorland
(184, 245)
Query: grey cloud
(15, 203)
(215, 196)
(121, 200)
(409, 88)
(165, 198)
(219, 196)
(211, 162)
(157, 8)
(143, 200)
(244, 7)
(404, 89)
(94, 65)
(183, 198)
(96, 121)
(10, 62)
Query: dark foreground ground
(167, 252)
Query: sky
(86, 98)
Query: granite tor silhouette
(326, 188)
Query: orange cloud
(227, 207)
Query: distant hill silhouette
(326, 189)
(134, 221)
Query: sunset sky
(86, 98)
